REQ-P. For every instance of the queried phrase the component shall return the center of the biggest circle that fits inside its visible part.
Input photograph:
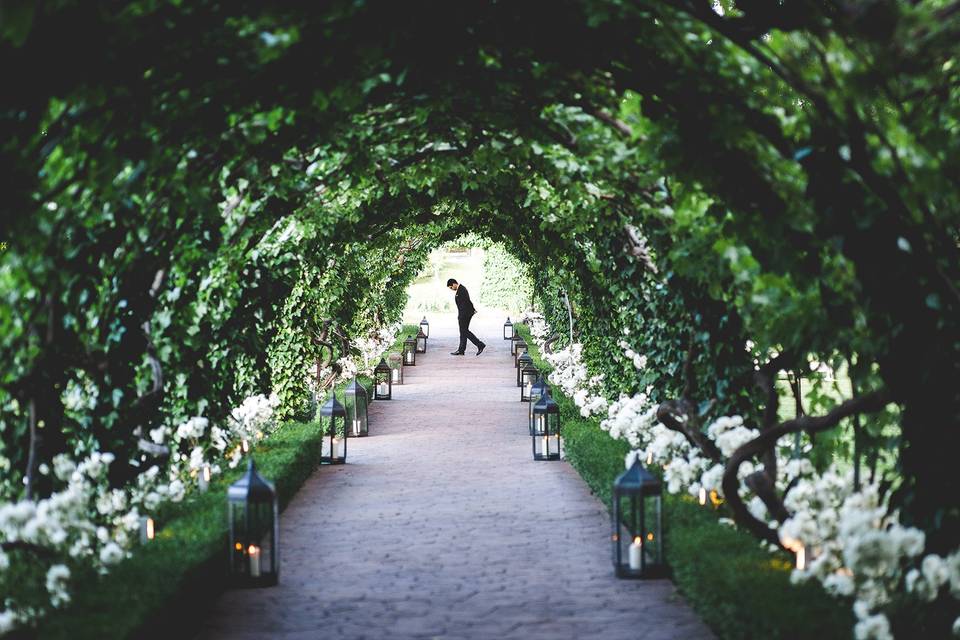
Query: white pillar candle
(703, 496)
(245, 445)
(545, 446)
(203, 478)
(396, 375)
(335, 453)
(254, 553)
(356, 427)
(383, 389)
(802, 558)
(635, 550)
(146, 529)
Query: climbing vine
(213, 201)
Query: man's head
(452, 284)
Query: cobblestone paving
(441, 526)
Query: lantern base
(650, 572)
(384, 397)
(551, 456)
(329, 460)
(249, 582)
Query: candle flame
(649, 536)
(638, 540)
(238, 547)
(253, 550)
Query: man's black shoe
(456, 353)
(483, 345)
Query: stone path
(441, 525)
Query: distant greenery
(506, 281)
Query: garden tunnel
(198, 197)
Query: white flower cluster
(83, 523)
(856, 547)
(852, 544)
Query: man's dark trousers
(466, 334)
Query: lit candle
(801, 557)
(254, 552)
(203, 478)
(703, 496)
(650, 458)
(146, 529)
(635, 550)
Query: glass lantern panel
(507, 331)
(638, 535)
(253, 540)
(383, 389)
(546, 437)
(421, 345)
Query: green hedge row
(167, 586)
(740, 589)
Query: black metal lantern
(521, 349)
(333, 446)
(637, 524)
(536, 392)
(410, 352)
(528, 376)
(254, 530)
(395, 361)
(546, 429)
(355, 405)
(523, 361)
(513, 345)
(508, 329)
(421, 341)
(425, 327)
(383, 381)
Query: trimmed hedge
(167, 586)
(740, 589)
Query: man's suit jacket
(465, 308)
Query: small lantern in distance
(355, 404)
(396, 366)
(520, 350)
(508, 329)
(425, 327)
(523, 361)
(383, 381)
(528, 376)
(546, 429)
(513, 346)
(637, 524)
(254, 529)
(333, 446)
(536, 392)
(410, 352)
(421, 341)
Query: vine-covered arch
(204, 197)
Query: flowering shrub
(849, 539)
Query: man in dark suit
(465, 311)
